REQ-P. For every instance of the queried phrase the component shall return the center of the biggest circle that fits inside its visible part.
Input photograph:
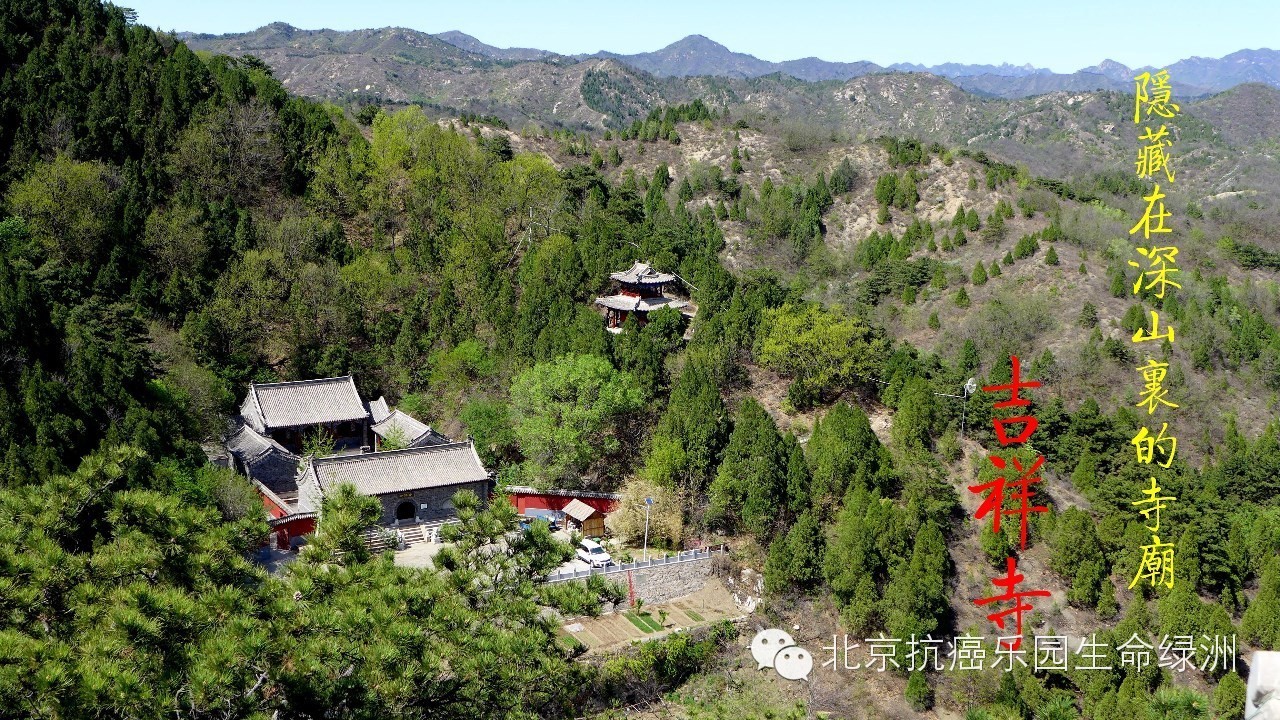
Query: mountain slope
(466, 42)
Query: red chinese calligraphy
(1028, 422)
(994, 504)
(1009, 583)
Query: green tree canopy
(823, 349)
(565, 414)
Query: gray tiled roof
(399, 470)
(641, 274)
(263, 459)
(411, 427)
(247, 444)
(309, 494)
(379, 410)
(630, 303)
(302, 403)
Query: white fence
(683, 556)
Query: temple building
(261, 458)
(414, 485)
(287, 412)
(638, 290)
(411, 469)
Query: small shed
(587, 518)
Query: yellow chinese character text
(1154, 502)
(1154, 216)
(1154, 333)
(1159, 273)
(1157, 564)
(1154, 392)
(1153, 94)
(1146, 445)
(1151, 157)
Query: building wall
(275, 470)
(528, 501)
(286, 531)
(273, 508)
(435, 498)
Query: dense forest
(176, 225)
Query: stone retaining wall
(661, 583)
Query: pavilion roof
(416, 433)
(630, 303)
(642, 274)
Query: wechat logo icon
(773, 648)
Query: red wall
(272, 507)
(523, 502)
(292, 529)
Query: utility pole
(528, 237)
(970, 387)
(648, 502)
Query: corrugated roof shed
(579, 510)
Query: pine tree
(1118, 284)
(685, 191)
(886, 189)
(843, 177)
(1007, 259)
(995, 269)
(919, 695)
(1229, 697)
(962, 298)
(1051, 257)
(1088, 315)
(979, 276)
(1261, 622)
(905, 195)
(934, 323)
(751, 483)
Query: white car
(591, 553)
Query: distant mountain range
(1054, 124)
(697, 55)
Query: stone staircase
(413, 534)
(379, 539)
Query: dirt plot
(711, 603)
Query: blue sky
(1063, 36)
